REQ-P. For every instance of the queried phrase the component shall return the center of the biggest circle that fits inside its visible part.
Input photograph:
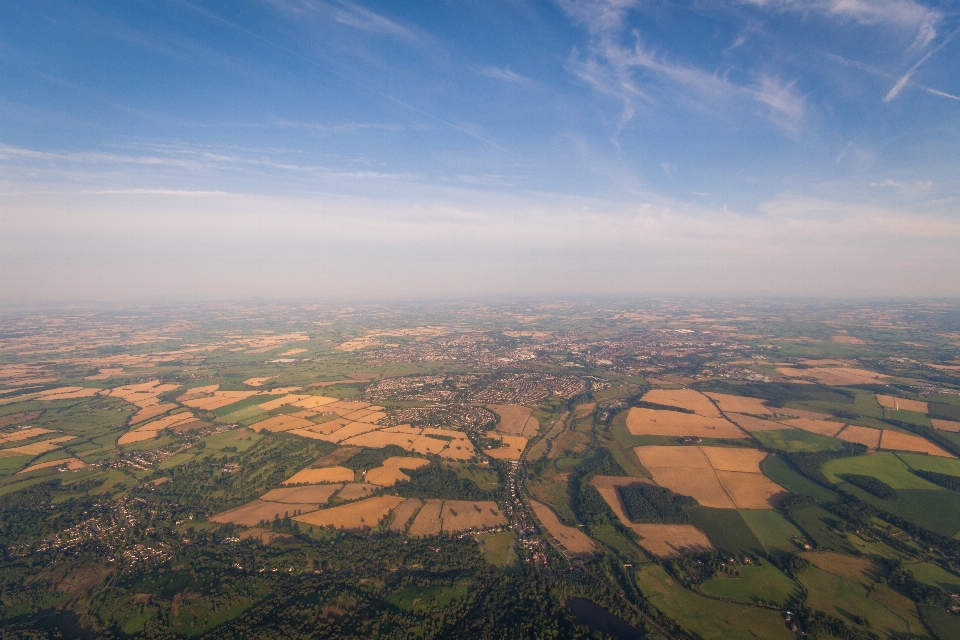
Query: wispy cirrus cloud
(636, 72)
(506, 74)
(350, 14)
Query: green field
(726, 529)
(12, 464)
(797, 440)
(922, 462)
(938, 511)
(708, 619)
(887, 467)
(889, 614)
(413, 597)
(784, 475)
(498, 548)
(246, 403)
(628, 551)
(942, 623)
(763, 584)
(819, 525)
(935, 575)
(772, 529)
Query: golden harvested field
(350, 430)
(380, 439)
(901, 404)
(457, 450)
(68, 395)
(896, 441)
(751, 490)
(219, 399)
(313, 435)
(722, 477)
(314, 402)
(73, 464)
(390, 473)
(576, 542)
(353, 416)
(739, 404)
(823, 427)
(862, 435)
(729, 459)
(253, 513)
(427, 522)
(511, 449)
(364, 514)
(751, 424)
(672, 540)
(276, 403)
(152, 411)
(316, 476)
(36, 448)
(701, 484)
(196, 392)
(281, 423)
(343, 407)
(653, 422)
(257, 382)
(669, 456)
(312, 494)
(403, 513)
(684, 399)
(426, 444)
(293, 352)
(357, 491)
(515, 419)
(24, 434)
(834, 376)
(945, 425)
(135, 436)
(461, 515)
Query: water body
(599, 619)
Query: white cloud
(506, 74)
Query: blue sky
(298, 148)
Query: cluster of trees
(873, 486)
(818, 624)
(367, 459)
(942, 479)
(650, 503)
(918, 591)
(809, 462)
(587, 503)
(439, 481)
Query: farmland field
(726, 529)
(772, 529)
(887, 467)
(709, 619)
(577, 543)
(796, 440)
(764, 584)
(672, 540)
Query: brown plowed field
(863, 435)
(403, 513)
(357, 491)
(315, 476)
(751, 490)
(364, 514)
(729, 459)
(946, 425)
(427, 522)
(901, 404)
(654, 422)
(515, 419)
(281, 423)
(253, 513)
(739, 404)
(309, 494)
(701, 484)
(684, 399)
(896, 441)
(670, 456)
(512, 448)
(672, 540)
(751, 424)
(390, 473)
(576, 542)
(461, 515)
(823, 427)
